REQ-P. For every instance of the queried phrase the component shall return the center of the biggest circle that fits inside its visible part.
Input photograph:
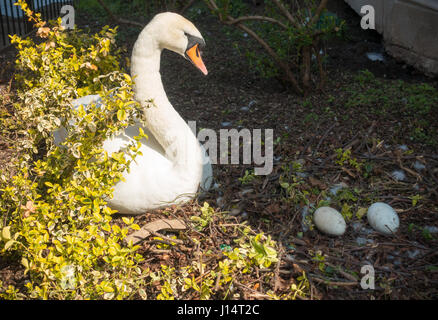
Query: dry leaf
(29, 208)
(161, 224)
(89, 66)
(43, 32)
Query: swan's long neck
(167, 126)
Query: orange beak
(195, 57)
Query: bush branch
(188, 5)
(283, 65)
(263, 18)
(272, 53)
(321, 7)
(286, 13)
(117, 19)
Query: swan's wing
(117, 142)
(150, 142)
(151, 176)
(130, 132)
(61, 134)
(86, 100)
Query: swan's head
(174, 32)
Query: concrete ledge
(426, 65)
(427, 4)
(409, 29)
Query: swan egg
(329, 221)
(383, 218)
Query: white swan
(173, 164)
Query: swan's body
(173, 164)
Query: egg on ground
(383, 218)
(329, 221)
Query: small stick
(218, 279)
(345, 274)
(188, 5)
(334, 283)
(324, 136)
(286, 13)
(164, 239)
(277, 269)
(263, 18)
(321, 7)
(117, 19)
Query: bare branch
(117, 19)
(321, 7)
(212, 5)
(272, 53)
(263, 18)
(320, 67)
(188, 5)
(286, 13)
(237, 22)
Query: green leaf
(107, 288)
(284, 185)
(121, 115)
(25, 263)
(361, 212)
(6, 233)
(258, 246)
(127, 221)
(9, 244)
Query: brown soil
(405, 264)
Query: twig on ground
(324, 136)
(277, 268)
(164, 239)
(335, 283)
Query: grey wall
(409, 29)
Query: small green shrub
(248, 178)
(291, 34)
(54, 216)
(293, 186)
(345, 158)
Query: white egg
(329, 221)
(383, 218)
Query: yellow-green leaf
(9, 244)
(6, 233)
(361, 212)
(121, 115)
(25, 263)
(127, 221)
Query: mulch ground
(308, 130)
